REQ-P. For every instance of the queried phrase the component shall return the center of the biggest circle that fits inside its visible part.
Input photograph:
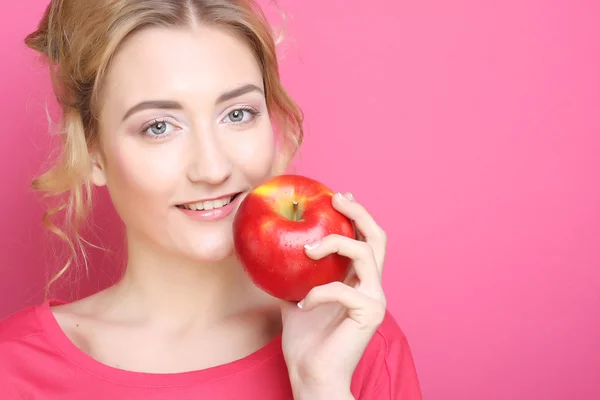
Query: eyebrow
(174, 105)
(237, 92)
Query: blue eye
(236, 116)
(241, 115)
(158, 129)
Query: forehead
(166, 62)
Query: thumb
(288, 308)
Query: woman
(176, 107)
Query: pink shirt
(38, 361)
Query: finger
(361, 253)
(352, 279)
(362, 308)
(365, 224)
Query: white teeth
(218, 203)
(208, 205)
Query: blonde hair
(80, 37)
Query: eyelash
(155, 121)
(253, 112)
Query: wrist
(336, 391)
(318, 394)
(315, 384)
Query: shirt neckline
(63, 344)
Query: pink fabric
(38, 361)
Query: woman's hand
(325, 335)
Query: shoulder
(20, 334)
(20, 325)
(387, 369)
(24, 335)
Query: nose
(208, 162)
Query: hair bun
(42, 40)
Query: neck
(158, 286)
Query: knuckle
(379, 312)
(366, 250)
(322, 290)
(315, 292)
(379, 316)
(336, 286)
(382, 235)
(333, 238)
(383, 303)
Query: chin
(212, 251)
(213, 256)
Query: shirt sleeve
(7, 390)
(400, 381)
(389, 370)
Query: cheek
(143, 173)
(254, 154)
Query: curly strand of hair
(288, 116)
(68, 176)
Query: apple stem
(294, 210)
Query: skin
(184, 303)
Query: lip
(216, 213)
(212, 198)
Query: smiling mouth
(209, 204)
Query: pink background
(470, 129)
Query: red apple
(271, 227)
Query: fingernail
(349, 196)
(312, 246)
(301, 304)
(340, 196)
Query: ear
(98, 167)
